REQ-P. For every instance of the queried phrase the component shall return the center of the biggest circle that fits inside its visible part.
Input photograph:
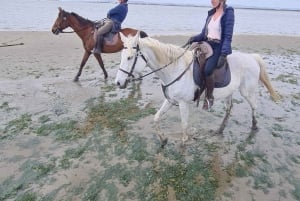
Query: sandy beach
(37, 90)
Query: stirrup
(208, 103)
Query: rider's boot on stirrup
(209, 98)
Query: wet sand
(36, 79)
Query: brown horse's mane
(82, 21)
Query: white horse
(172, 64)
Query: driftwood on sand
(7, 45)
(10, 43)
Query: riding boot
(209, 99)
(99, 44)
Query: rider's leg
(209, 80)
(209, 100)
(108, 24)
(210, 65)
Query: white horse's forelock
(129, 43)
(166, 53)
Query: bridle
(164, 87)
(139, 53)
(64, 19)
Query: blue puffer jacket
(227, 24)
(118, 15)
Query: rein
(161, 68)
(85, 27)
(164, 87)
(67, 31)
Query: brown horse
(85, 29)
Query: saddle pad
(197, 74)
(222, 75)
(110, 38)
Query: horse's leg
(254, 121)
(228, 105)
(100, 61)
(184, 113)
(163, 109)
(83, 62)
(250, 96)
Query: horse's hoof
(182, 147)
(184, 139)
(163, 142)
(76, 79)
(254, 129)
(219, 132)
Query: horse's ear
(137, 37)
(122, 36)
(138, 34)
(60, 9)
(143, 34)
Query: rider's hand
(221, 61)
(189, 42)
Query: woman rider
(217, 31)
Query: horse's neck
(78, 28)
(164, 71)
(167, 70)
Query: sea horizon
(289, 5)
(155, 19)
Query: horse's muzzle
(122, 86)
(56, 31)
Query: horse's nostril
(118, 83)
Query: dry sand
(36, 79)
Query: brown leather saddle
(202, 51)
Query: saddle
(202, 51)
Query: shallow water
(37, 15)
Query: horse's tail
(264, 78)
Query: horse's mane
(166, 53)
(82, 21)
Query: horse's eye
(128, 58)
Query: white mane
(166, 53)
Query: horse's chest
(180, 91)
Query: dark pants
(212, 61)
(107, 26)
